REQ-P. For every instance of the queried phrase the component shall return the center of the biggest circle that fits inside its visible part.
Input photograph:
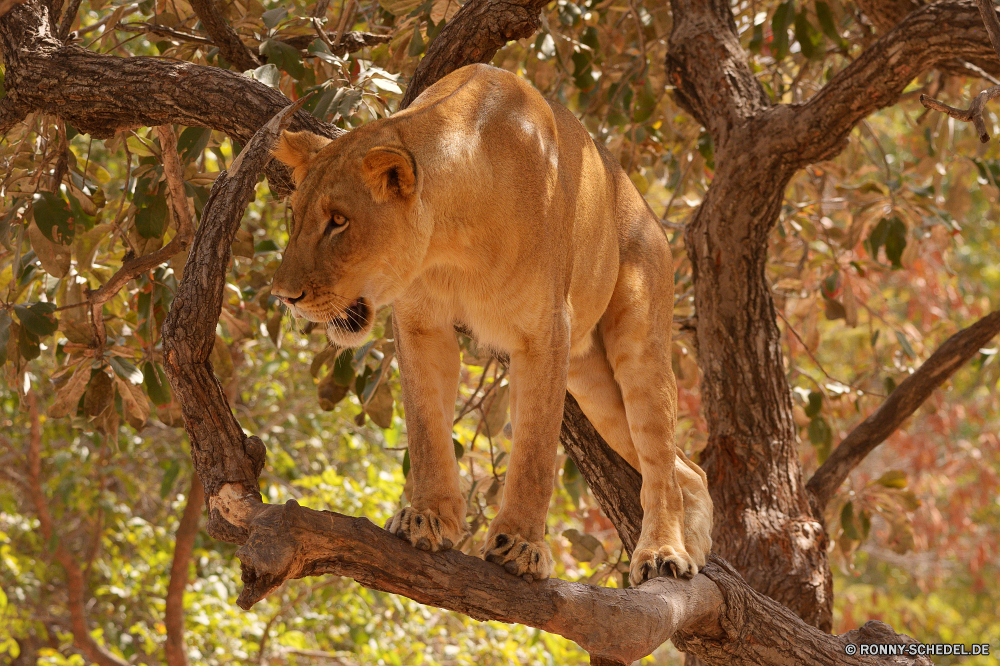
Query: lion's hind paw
(664, 562)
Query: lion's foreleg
(516, 538)
(429, 364)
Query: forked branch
(975, 111)
(905, 400)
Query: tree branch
(905, 400)
(474, 35)
(136, 266)
(101, 94)
(933, 35)
(975, 111)
(230, 45)
(709, 68)
(75, 583)
(173, 616)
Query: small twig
(68, 18)
(345, 17)
(164, 31)
(136, 266)
(816, 361)
(975, 111)
(973, 114)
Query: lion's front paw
(665, 561)
(527, 559)
(424, 529)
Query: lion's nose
(292, 300)
(286, 295)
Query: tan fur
(483, 204)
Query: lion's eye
(337, 223)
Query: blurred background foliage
(879, 256)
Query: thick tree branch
(187, 530)
(932, 35)
(76, 587)
(476, 32)
(905, 400)
(101, 94)
(230, 45)
(710, 70)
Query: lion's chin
(354, 325)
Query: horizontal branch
(101, 94)
(290, 541)
(905, 400)
(973, 114)
(933, 35)
(975, 111)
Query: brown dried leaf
(54, 258)
(68, 397)
(134, 401)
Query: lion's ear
(297, 149)
(389, 172)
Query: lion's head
(356, 238)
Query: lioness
(484, 204)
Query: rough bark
(474, 34)
(613, 481)
(228, 461)
(763, 511)
(100, 94)
(898, 407)
(173, 616)
(223, 35)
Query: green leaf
(38, 319)
(416, 43)
(807, 36)
(758, 38)
(894, 478)
(5, 322)
(406, 463)
(157, 387)
(273, 17)
(192, 142)
(168, 478)
(125, 370)
(877, 237)
(151, 215)
(895, 242)
(890, 385)
(905, 344)
(53, 217)
(706, 148)
(783, 17)
(266, 246)
(828, 25)
(847, 522)
(268, 75)
(459, 449)
(343, 372)
(645, 104)
(284, 57)
(815, 403)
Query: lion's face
(355, 238)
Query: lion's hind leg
(636, 332)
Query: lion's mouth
(355, 317)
